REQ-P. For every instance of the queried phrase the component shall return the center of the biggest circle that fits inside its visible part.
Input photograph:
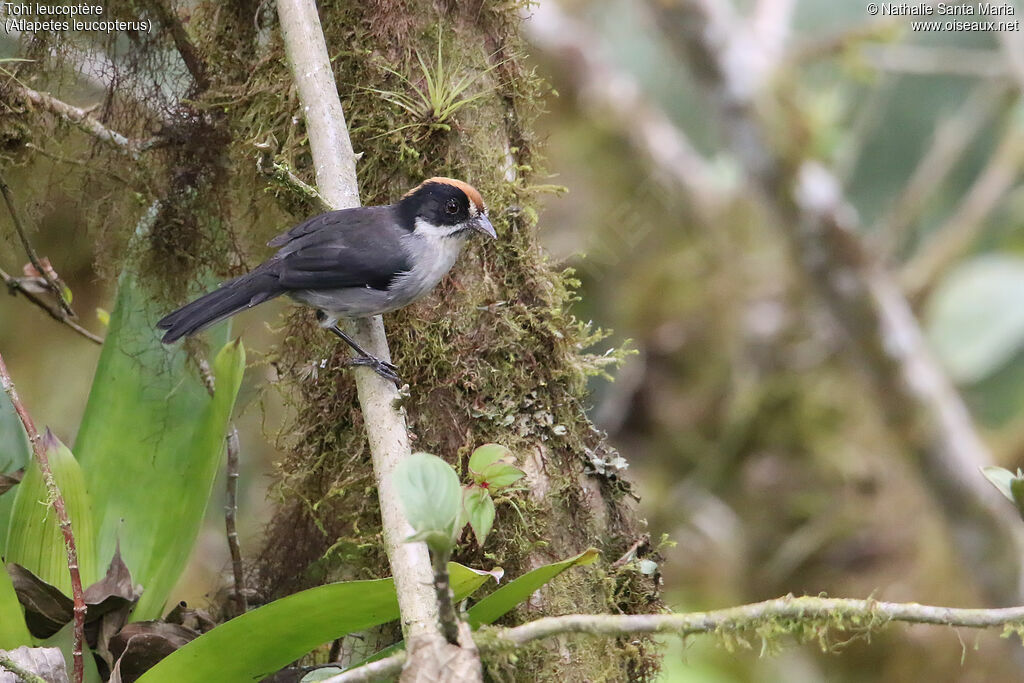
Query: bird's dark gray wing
(342, 249)
(333, 220)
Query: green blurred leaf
(502, 601)
(492, 465)
(974, 320)
(13, 632)
(150, 443)
(34, 538)
(260, 642)
(429, 493)
(488, 454)
(1000, 478)
(15, 454)
(479, 511)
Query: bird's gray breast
(431, 256)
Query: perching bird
(353, 263)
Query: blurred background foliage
(754, 444)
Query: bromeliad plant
(136, 489)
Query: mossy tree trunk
(493, 355)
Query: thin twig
(231, 503)
(15, 286)
(21, 672)
(45, 272)
(230, 514)
(953, 238)
(57, 501)
(843, 614)
(85, 121)
(77, 162)
(820, 47)
(283, 176)
(945, 61)
(951, 139)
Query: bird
(353, 263)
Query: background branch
(16, 286)
(959, 232)
(83, 120)
(804, 199)
(52, 280)
(951, 138)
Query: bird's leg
(381, 367)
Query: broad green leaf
(430, 496)
(15, 453)
(488, 454)
(13, 632)
(499, 475)
(974, 320)
(260, 642)
(34, 538)
(502, 601)
(150, 443)
(479, 511)
(491, 464)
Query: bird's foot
(381, 367)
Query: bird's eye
(452, 207)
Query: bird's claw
(381, 367)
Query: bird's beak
(481, 224)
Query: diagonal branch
(16, 286)
(950, 141)
(86, 122)
(959, 232)
(52, 281)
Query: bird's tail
(231, 297)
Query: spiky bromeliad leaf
(150, 443)
(34, 537)
(260, 642)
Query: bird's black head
(445, 206)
